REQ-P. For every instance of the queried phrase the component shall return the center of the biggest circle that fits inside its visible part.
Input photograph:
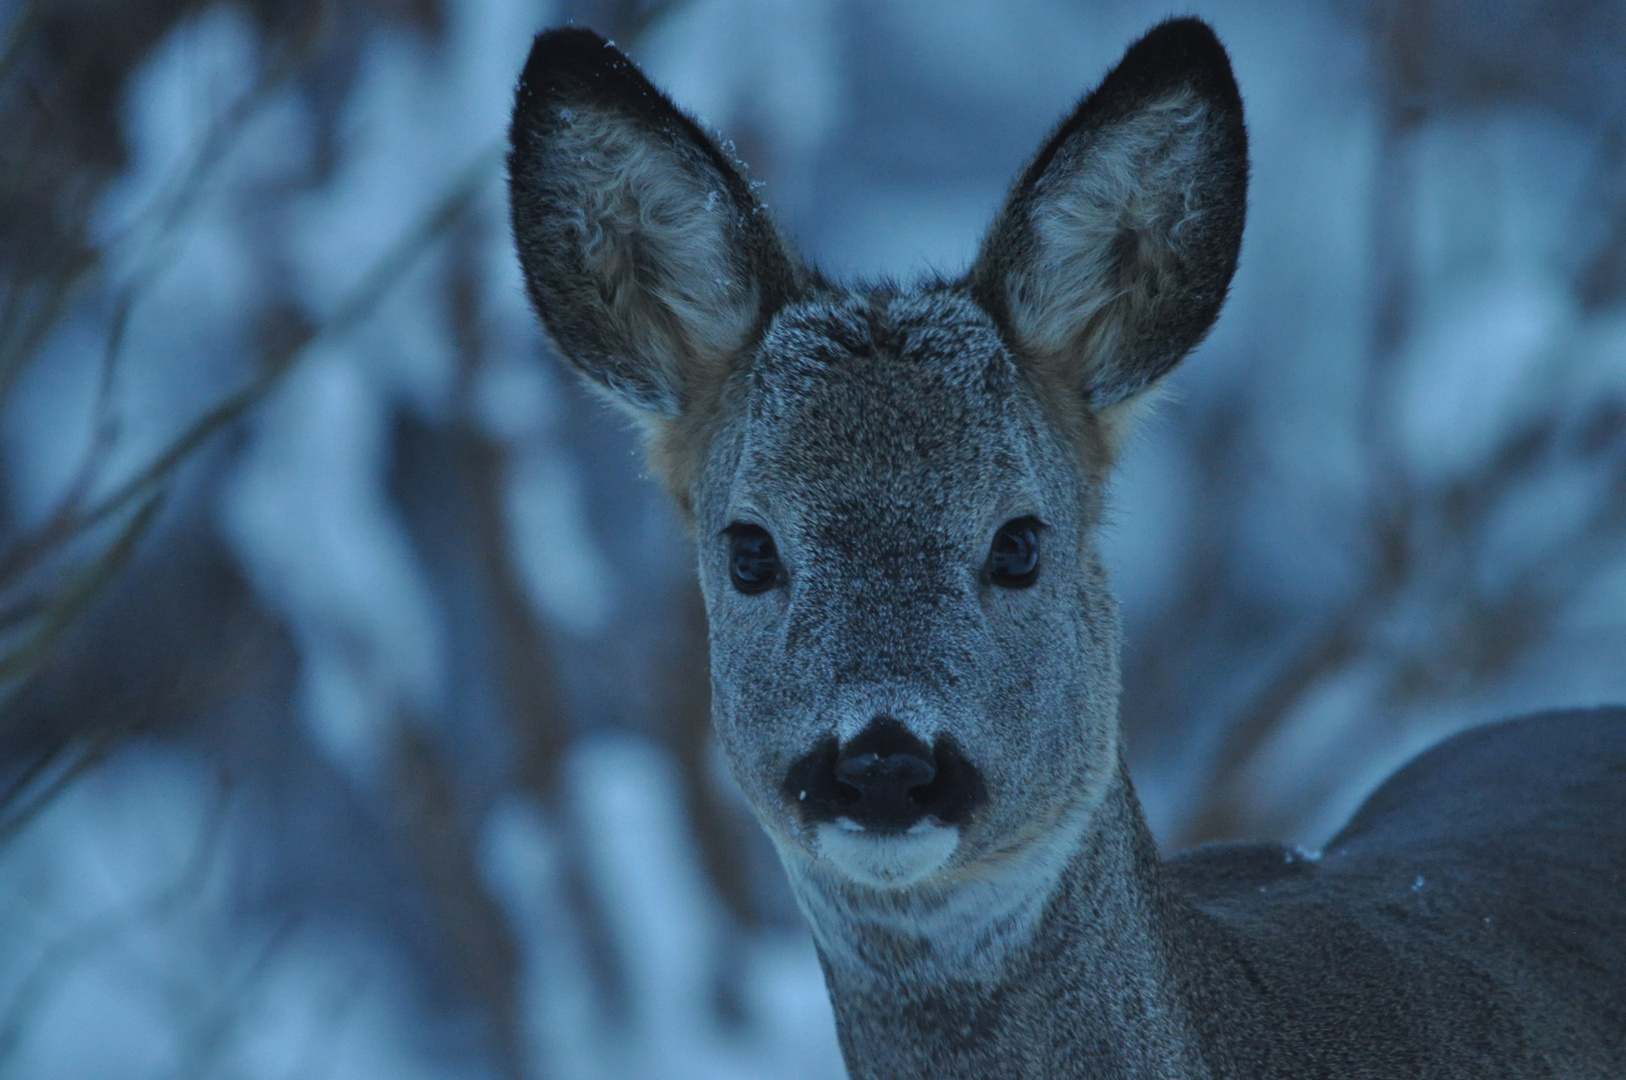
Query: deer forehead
(902, 415)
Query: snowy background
(353, 714)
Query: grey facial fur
(881, 438)
(883, 526)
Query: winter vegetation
(353, 692)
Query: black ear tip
(1184, 50)
(1182, 31)
(1185, 41)
(566, 57)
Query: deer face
(893, 491)
(913, 654)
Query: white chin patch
(887, 860)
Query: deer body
(894, 493)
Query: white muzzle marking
(887, 860)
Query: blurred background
(353, 694)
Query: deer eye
(753, 562)
(1013, 557)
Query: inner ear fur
(645, 252)
(1112, 256)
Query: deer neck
(1071, 964)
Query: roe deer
(915, 655)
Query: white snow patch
(566, 574)
(1472, 369)
(310, 516)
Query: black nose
(885, 779)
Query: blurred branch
(1476, 641)
(146, 487)
(26, 552)
(384, 275)
(51, 771)
(1222, 809)
(65, 603)
(67, 267)
(200, 645)
(40, 601)
(483, 951)
(1401, 111)
(529, 681)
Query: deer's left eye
(1013, 557)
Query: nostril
(956, 787)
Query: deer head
(893, 490)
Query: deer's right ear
(645, 252)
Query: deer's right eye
(753, 562)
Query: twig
(85, 584)
(89, 753)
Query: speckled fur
(1468, 923)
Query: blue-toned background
(353, 714)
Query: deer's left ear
(1113, 254)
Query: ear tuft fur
(1114, 252)
(648, 257)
